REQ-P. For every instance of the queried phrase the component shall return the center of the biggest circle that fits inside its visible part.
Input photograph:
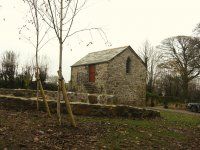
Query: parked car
(194, 107)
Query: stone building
(118, 71)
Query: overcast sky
(126, 22)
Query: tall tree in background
(197, 29)
(37, 23)
(26, 76)
(43, 73)
(182, 55)
(151, 57)
(9, 67)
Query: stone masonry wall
(77, 84)
(101, 75)
(111, 78)
(53, 95)
(84, 109)
(128, 88)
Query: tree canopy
(182, 54)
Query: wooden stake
(58, 103)
(44, 98)
(67, 103)
(37, 101)
(37, 84)
(42, 93)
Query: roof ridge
(100, 56)
(110, 49)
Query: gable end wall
(129, 88)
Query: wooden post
(44, 98)
(37, 100)
(42, 93)
(37, 93)
(67, 103)
(58, 102)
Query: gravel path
(174, 110)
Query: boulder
(92, 99)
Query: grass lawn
(34, 130)
(172, 131)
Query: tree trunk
(37, 76)
(67, 103)
(60, 64)
(185, 90)
(61, 80)
(36, 51)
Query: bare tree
(182, 55)
(60, 15)
(151, 56)
(36, 22)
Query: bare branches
(70, 26)
(36, 22)
(45, 33)
(197, 29)
(151, 58)
(82, 31)
(28, 39)
(60, 14)
(67, 8)
(53, 19)
(184, 51)
(45, 43)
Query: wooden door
(91, 73)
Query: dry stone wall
(21, 104)
(73, 96)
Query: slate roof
(100, 56)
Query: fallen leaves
(34, 130)
(36, 139)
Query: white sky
(126, 22)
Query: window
(128, 65)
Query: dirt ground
(34, 130)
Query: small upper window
(128, 65)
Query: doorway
(91, 73)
